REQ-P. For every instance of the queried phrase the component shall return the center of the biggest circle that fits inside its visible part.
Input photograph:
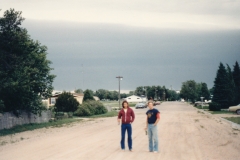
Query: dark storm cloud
(92, 55)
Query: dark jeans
(127, 127)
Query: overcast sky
(156, 42)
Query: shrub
(66, 103)
(82, 111)
(90, 108)
(100, 110)
(214, 106)
(88, 96)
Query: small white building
(134, 98)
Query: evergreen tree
(220, 89)
(204, 91)
(236, 79)
(230, 87)
(88, 96)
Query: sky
(91, 42)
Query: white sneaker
(155, 152)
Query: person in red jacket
(127, 116)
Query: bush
(88, 96)
(82, 111)
(214, 107)
(90, 108)
(66, 103)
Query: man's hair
(124, 102)
(150, 102)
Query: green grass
(32, 126)
(220, 112)
(200, 107)
(132, 104)
(108, 114)
(57, 123)
(111, 103)
(116, 104)
(234, 119)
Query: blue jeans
(153, 138)
(127, 127)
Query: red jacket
(127, 117)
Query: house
(78, 96)
(134, 98)
(52, 99)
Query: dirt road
(184, 134)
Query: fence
(9, 120)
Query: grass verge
(200, 107)
(233, 119)
(32, 126)
(108, 114)
(220, 112)
(58, 123)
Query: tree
(204, 92)
(100, 93)
(88, 96)
(230, 87)
(189, 90)
(131, 93)
(220, 88)
(139, 91)
(173, 96)
(66, 103)
(1, 106)
(236, 79)
(78, 91)
(24, 70)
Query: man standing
(127, 116)
(153, 117)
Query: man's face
(150, 105)
(125, 105)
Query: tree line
(225, 92)
(192, 91)
(104, 94)
(226, 89)
(157, 93)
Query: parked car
(235, 109)
(156, 103)
(140, 105)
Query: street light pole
(156, 97)
(164, 95)
(202, 101)
(146, 93)
(119, 78)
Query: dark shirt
(152, 115)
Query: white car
(140, 105)
(235, 109)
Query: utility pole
(119, 78)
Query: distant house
(134, 98)
(96, 98)
(78, 96)
(52, 99)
